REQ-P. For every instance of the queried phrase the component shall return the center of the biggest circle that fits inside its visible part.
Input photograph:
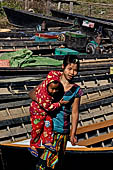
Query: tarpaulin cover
(24, 58)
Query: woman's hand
(63, 102)
(73, 140)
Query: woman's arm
(75, 117)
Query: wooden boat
(46, 37)
(10, 45)
(18, 151)
(101, 63)
(30, 20)
(73, 16)
(93, 131)
(95, 126)
(19, 33)
(103, 26)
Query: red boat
(47, 35)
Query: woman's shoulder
(80, 91)
(75, 85)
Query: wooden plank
(15, 121)
(16, 34)
(96, 60)
(13, 97)
(36, 82)
(26, 5)
(82, 149)
(31, 43)
(94, 72)
(13, 132)
(97, 115)
(98, 88)
(28, 72)
(48, 7)
(96, 65)
(96, 97)
(10, 40)
(94, 126)
(95, 140)
(105, 69)
(96, 56)
(15, 104)
(96, 104)
(66, 1)
(71, 7)
(93, 78)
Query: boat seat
(94, 127)
(94, 140)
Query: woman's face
(70, 71)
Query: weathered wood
(95, 97)
(15, 34)
(95, 104)
(21, 83)
(31, 20)
(95, 140)
(26, 5)
(18, 39)
(33, 46)
(67, 2)
(10, 97)
(93, 78)
(4, 74)
(98, 88)
(15, 104)
(95, 126)
(30, 43)
(71, 7)
(77, 79)
(26, 102)
(48, 7)
(13, 133)
(95, 114)
(99, 21)
(15, 121)
(59, 5)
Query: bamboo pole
(71, 7)
(48, 6)
(26, 4)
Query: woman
(61, 123)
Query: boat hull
(15, 157)
(27, 19)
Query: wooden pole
(26, 4)
(48, 6)
(59, 5)
(90, 9)
(71, 7)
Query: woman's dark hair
(69, 59)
